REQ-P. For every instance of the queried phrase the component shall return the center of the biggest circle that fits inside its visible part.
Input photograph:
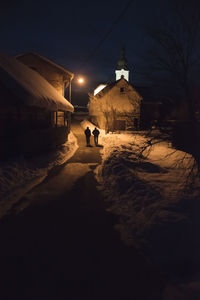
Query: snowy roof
(29, 87)
(110, 86)
(58, 67)
(99, 88)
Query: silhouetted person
(96, 135)
(87, 135)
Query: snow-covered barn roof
(99, 88)
(109, 86)
(29, 87)
(47, 60)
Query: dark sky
(68, 32)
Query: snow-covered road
(143, 194)
(67, 228)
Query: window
(60, 119)
(121, 90)
(54, 118)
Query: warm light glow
(81, 80)
(99, 88)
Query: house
(34, 116)
(56, 75)
(116, 106)
(59, 77)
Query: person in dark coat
(87, 135)
(96, 132)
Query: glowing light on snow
(99, 88)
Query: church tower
(122, 69)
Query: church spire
(122, 68)
(122, 62)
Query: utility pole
(70, 100)
(70, 91)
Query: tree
(175, 52)
(105, 110)
(175, 60)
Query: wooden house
(116, 106)
(33, 114)
(59, 77)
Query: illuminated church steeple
(122, 69)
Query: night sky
(68, 32)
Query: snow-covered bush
(147, 193)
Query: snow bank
(29, 87)
(155, 213)
(19, 176)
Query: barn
(34, 117)
(116, 107)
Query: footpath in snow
(154, 212)
(66, 240)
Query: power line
(116, 21)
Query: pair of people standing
(95, 133)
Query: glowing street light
(80, 80)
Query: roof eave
(49, 61)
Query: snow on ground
(156, 213)
(18, 176)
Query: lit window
(60, 119)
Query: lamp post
(70, 91)
(80, 80)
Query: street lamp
(80, 80)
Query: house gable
(118, 102)
(29, 87)
(121, 83)
(55, 74)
